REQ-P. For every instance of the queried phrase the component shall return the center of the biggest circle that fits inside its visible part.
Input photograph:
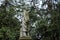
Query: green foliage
(38, 23)
(47, 31)
(9, 25)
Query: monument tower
(24, 34)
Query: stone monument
(24, 34)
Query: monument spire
(24, 29)
(24, 26)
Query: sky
(26, 2)
(40, 2)
(1, 2)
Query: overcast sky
(1, 2)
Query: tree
(48, 31)
(9, 25)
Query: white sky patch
(27, 2)
(40, 3)
(17, 0)
(20, 20)
(38, 15)
(45, 6)
(15, 15)
(18, 17)
(19, 3)
(55, 2)
(1, 1)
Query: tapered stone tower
(24, 34)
